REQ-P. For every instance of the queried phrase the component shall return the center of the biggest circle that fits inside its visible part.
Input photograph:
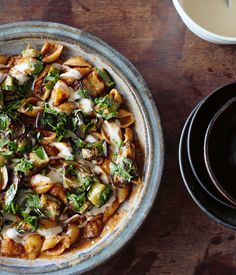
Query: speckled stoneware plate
(13, 39)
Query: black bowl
(220, 150)
(213, 208)
(196, 134)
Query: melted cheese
(95, 210)
(72, 73)
(19, 76)
(38, 179)
(55, 175)
(57, 66)
(90, 138)
(85, 105)
(64, 148)
(23, 67)
(49, 232)
(73, 95)
(12, 234)
(99, 171)
(113, 132)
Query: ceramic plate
(13, 39)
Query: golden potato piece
(51, 52)
(33, 244)
(45, 223)
(73, 232)
(122, 193)
(110, 211)
(67, 107)
(58, 191)
(41, 184)
(39, 89)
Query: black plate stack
(207, 155)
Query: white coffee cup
(199, 30)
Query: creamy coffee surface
(213, 15)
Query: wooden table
(180, 69)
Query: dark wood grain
(180, 69)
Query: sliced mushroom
(47, 137)
(93, 84)
(17, 129)
(51, 52)
(40, 89)
(94, 150)
(126, 118)
(31, 107)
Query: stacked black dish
(207, 155)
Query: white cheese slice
(23, 67)
(72, 73)
(49, 232)
(12, 234)
(113, 132)
(90, 138)
(95, 210)
(55, 175)
(86, 105)
(73, 95)
(64, 148)
(37, 179)
(19, 76)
